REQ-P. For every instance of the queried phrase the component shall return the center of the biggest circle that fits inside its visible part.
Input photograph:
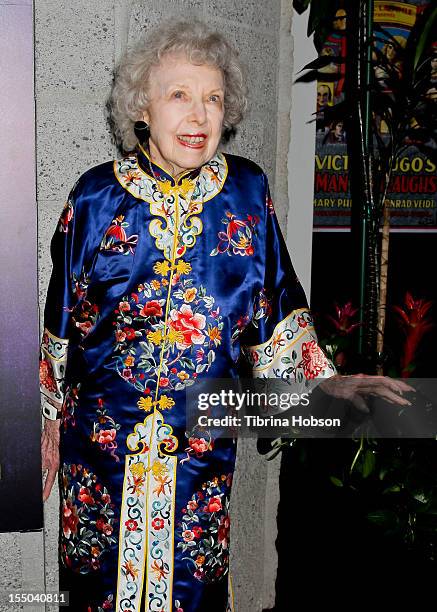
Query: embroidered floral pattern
(238, 238)
(239, 327)
(69, 406)
(200, 442)
(53, 358)
(148, 516)
(80, 285)
(87, 519)
(66, 217)
(291, 352)
(47, 376)
(132, 532)
(262, 308)
(107, 604)
(84, 313)
(313, 361)
(105, 431)
(192, 334)
(269, 205)
(175, 207)
(116, 239)
(203, 532)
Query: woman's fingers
(382, 386)
(359, 403)
(398, 386)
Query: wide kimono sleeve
(281, 341)
(70, 246)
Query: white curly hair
(200, 45)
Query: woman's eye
(214, 98)
(178, 94)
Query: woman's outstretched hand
(50, 454)
(358, 386)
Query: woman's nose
(198, 112)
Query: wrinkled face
(185, 113)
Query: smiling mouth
(195, 141)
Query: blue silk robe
(156, 283)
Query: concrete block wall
(77, 45)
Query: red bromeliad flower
(414, 321)
(343, 320)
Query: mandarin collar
(156, 172)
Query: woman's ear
(146, 117)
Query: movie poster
(412, 189)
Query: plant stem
(383, 285)
(357, 454)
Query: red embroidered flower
(100, 523)
(214, 504)
(106, 436)
(127, 373)
(188, 535)
(46, 375)
(70, 518)
(313, 359)
(223, 531)
(84, 327)
(131, 525)
(124, 306)
(199, 445)
(192, 505)
(188, 324)
(158, 523)
(164, 382)
(120, 336)
(197, 530)
(301, 322)
(242, 322)
(130, 333)
(66, 216)
(116, 229)
(106, 499)
(85, 497)
(107, 529)
(151, 309)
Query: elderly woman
(168, 265)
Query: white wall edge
(301, 156)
